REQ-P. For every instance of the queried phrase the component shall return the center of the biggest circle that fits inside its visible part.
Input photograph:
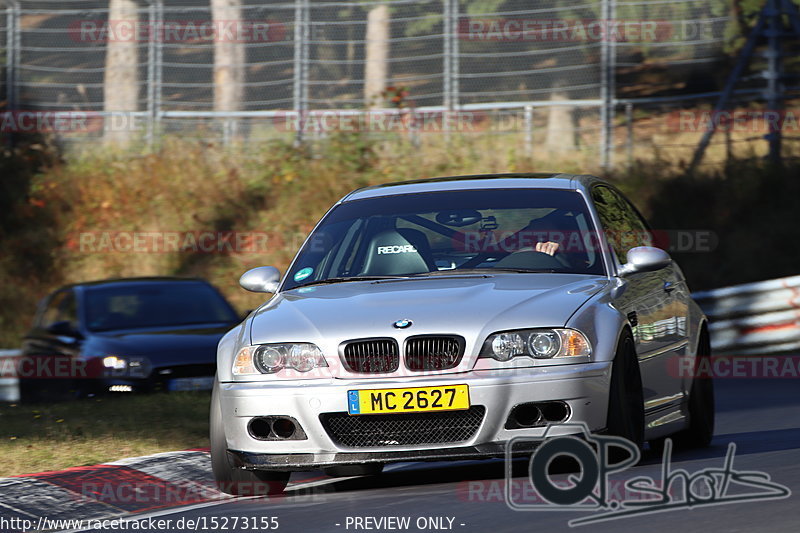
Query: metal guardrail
(754, 318)
(9, 389)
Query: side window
(623, 226)
(49, 315)
(62, 307)
(68, 310)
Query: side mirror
(63, 328)
(261, 279)
(644, 259)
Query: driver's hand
(549, 248)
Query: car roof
(550, 180)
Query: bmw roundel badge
(402, 324)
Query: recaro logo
(407, 248)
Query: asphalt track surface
(761, 416)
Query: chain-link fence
(559, 75)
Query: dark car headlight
(117, 366)
(537, 343)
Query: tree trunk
(561, 131)
(229, 57)
(121, 79)
(377, 66)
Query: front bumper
(584, 387)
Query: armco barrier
(9, 391)
(754, 318)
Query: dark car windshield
(452, 232)
(155, 305)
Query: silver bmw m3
(437, 319)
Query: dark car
(124, 335)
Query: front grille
(434, 353)
(403, 429)
(374, 356)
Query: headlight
(536, 343)
(115, 363)
(506, 345)
(272, 358)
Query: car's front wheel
(235, 480)
(626, 401)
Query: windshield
(155, 305)
(453, 232)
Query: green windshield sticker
(303, 274)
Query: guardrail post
(153, 50)
(528, 130)
(629, 128)
(301, 58)
(607, 87)
(454, 49)
(447, 60)
(450, 65)
(9, 385)
(13, 42)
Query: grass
(43, 437)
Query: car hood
(471, 306)
(169, 347)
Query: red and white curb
(117, 489)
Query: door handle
(669, 287)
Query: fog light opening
(260, 428)
(283, 428)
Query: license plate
(191, 384)
(413, 400)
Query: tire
(626, 401)
(236, 481)
(701, 404)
